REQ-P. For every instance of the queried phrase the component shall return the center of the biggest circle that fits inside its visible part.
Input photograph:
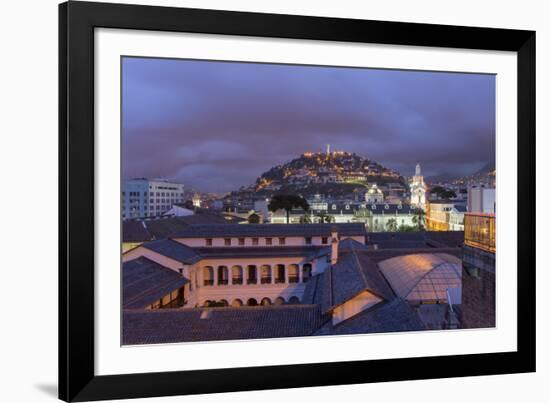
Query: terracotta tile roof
(174, 250)
(208, 324)
(144, 282)
(269, 230)
(392, 316)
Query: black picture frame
(77, 379)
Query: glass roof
(423, 277)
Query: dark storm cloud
(217, 126)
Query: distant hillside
(486, 175)
(334, 173)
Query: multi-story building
(445, 215)
(482, 199)
(149, 198)
(258, 281)
(478, 270)
(377, 217)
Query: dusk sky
(216, 126)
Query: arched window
(207, 303)
(208, 275)
(294, 300)
(280, 273)
(251, 302)
(279, 301)
(223, 275)
(306, 273)
(222, 302)
(237, 303)
(236, 275)
(293, 273)
(265, 274)
(252, 277)
(266, 301)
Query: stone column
(215, 275)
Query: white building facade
(481, 200)
(149, 198)
(239, 269)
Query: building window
(282, 241)
(223, 275)
(227, 241)
(265, 274)
(280, 273)
(268, 241)
(255, 241)
(237, 275)
(251, 275)
(324, 240)
(241, 241)
(208, 275)
(208, 241)
(308, 240)
(293, 273)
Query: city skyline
(217, 126)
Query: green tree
(324, 217)
(391, 225)
(437, 190)
(253, 218)
(419, 219)
(287, 202)
(447, 194)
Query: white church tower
(418, 189)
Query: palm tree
(287, 203)
(324, 218)
(419, 219)
(391, 225)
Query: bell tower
(418, 188)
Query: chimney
(334, 244)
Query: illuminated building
(418, 189)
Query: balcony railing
(480, 231)
(293, 279)
(266, 280)
(208, 282)
(251, 281)
(237, 280)
(223, 282)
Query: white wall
(29, 152)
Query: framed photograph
(258, 201)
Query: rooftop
(166, 227)
(145, 282)
(208, 324)
(354, 273)
(269, 230)
(173, 250)
(423, 277)
(384, 317)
